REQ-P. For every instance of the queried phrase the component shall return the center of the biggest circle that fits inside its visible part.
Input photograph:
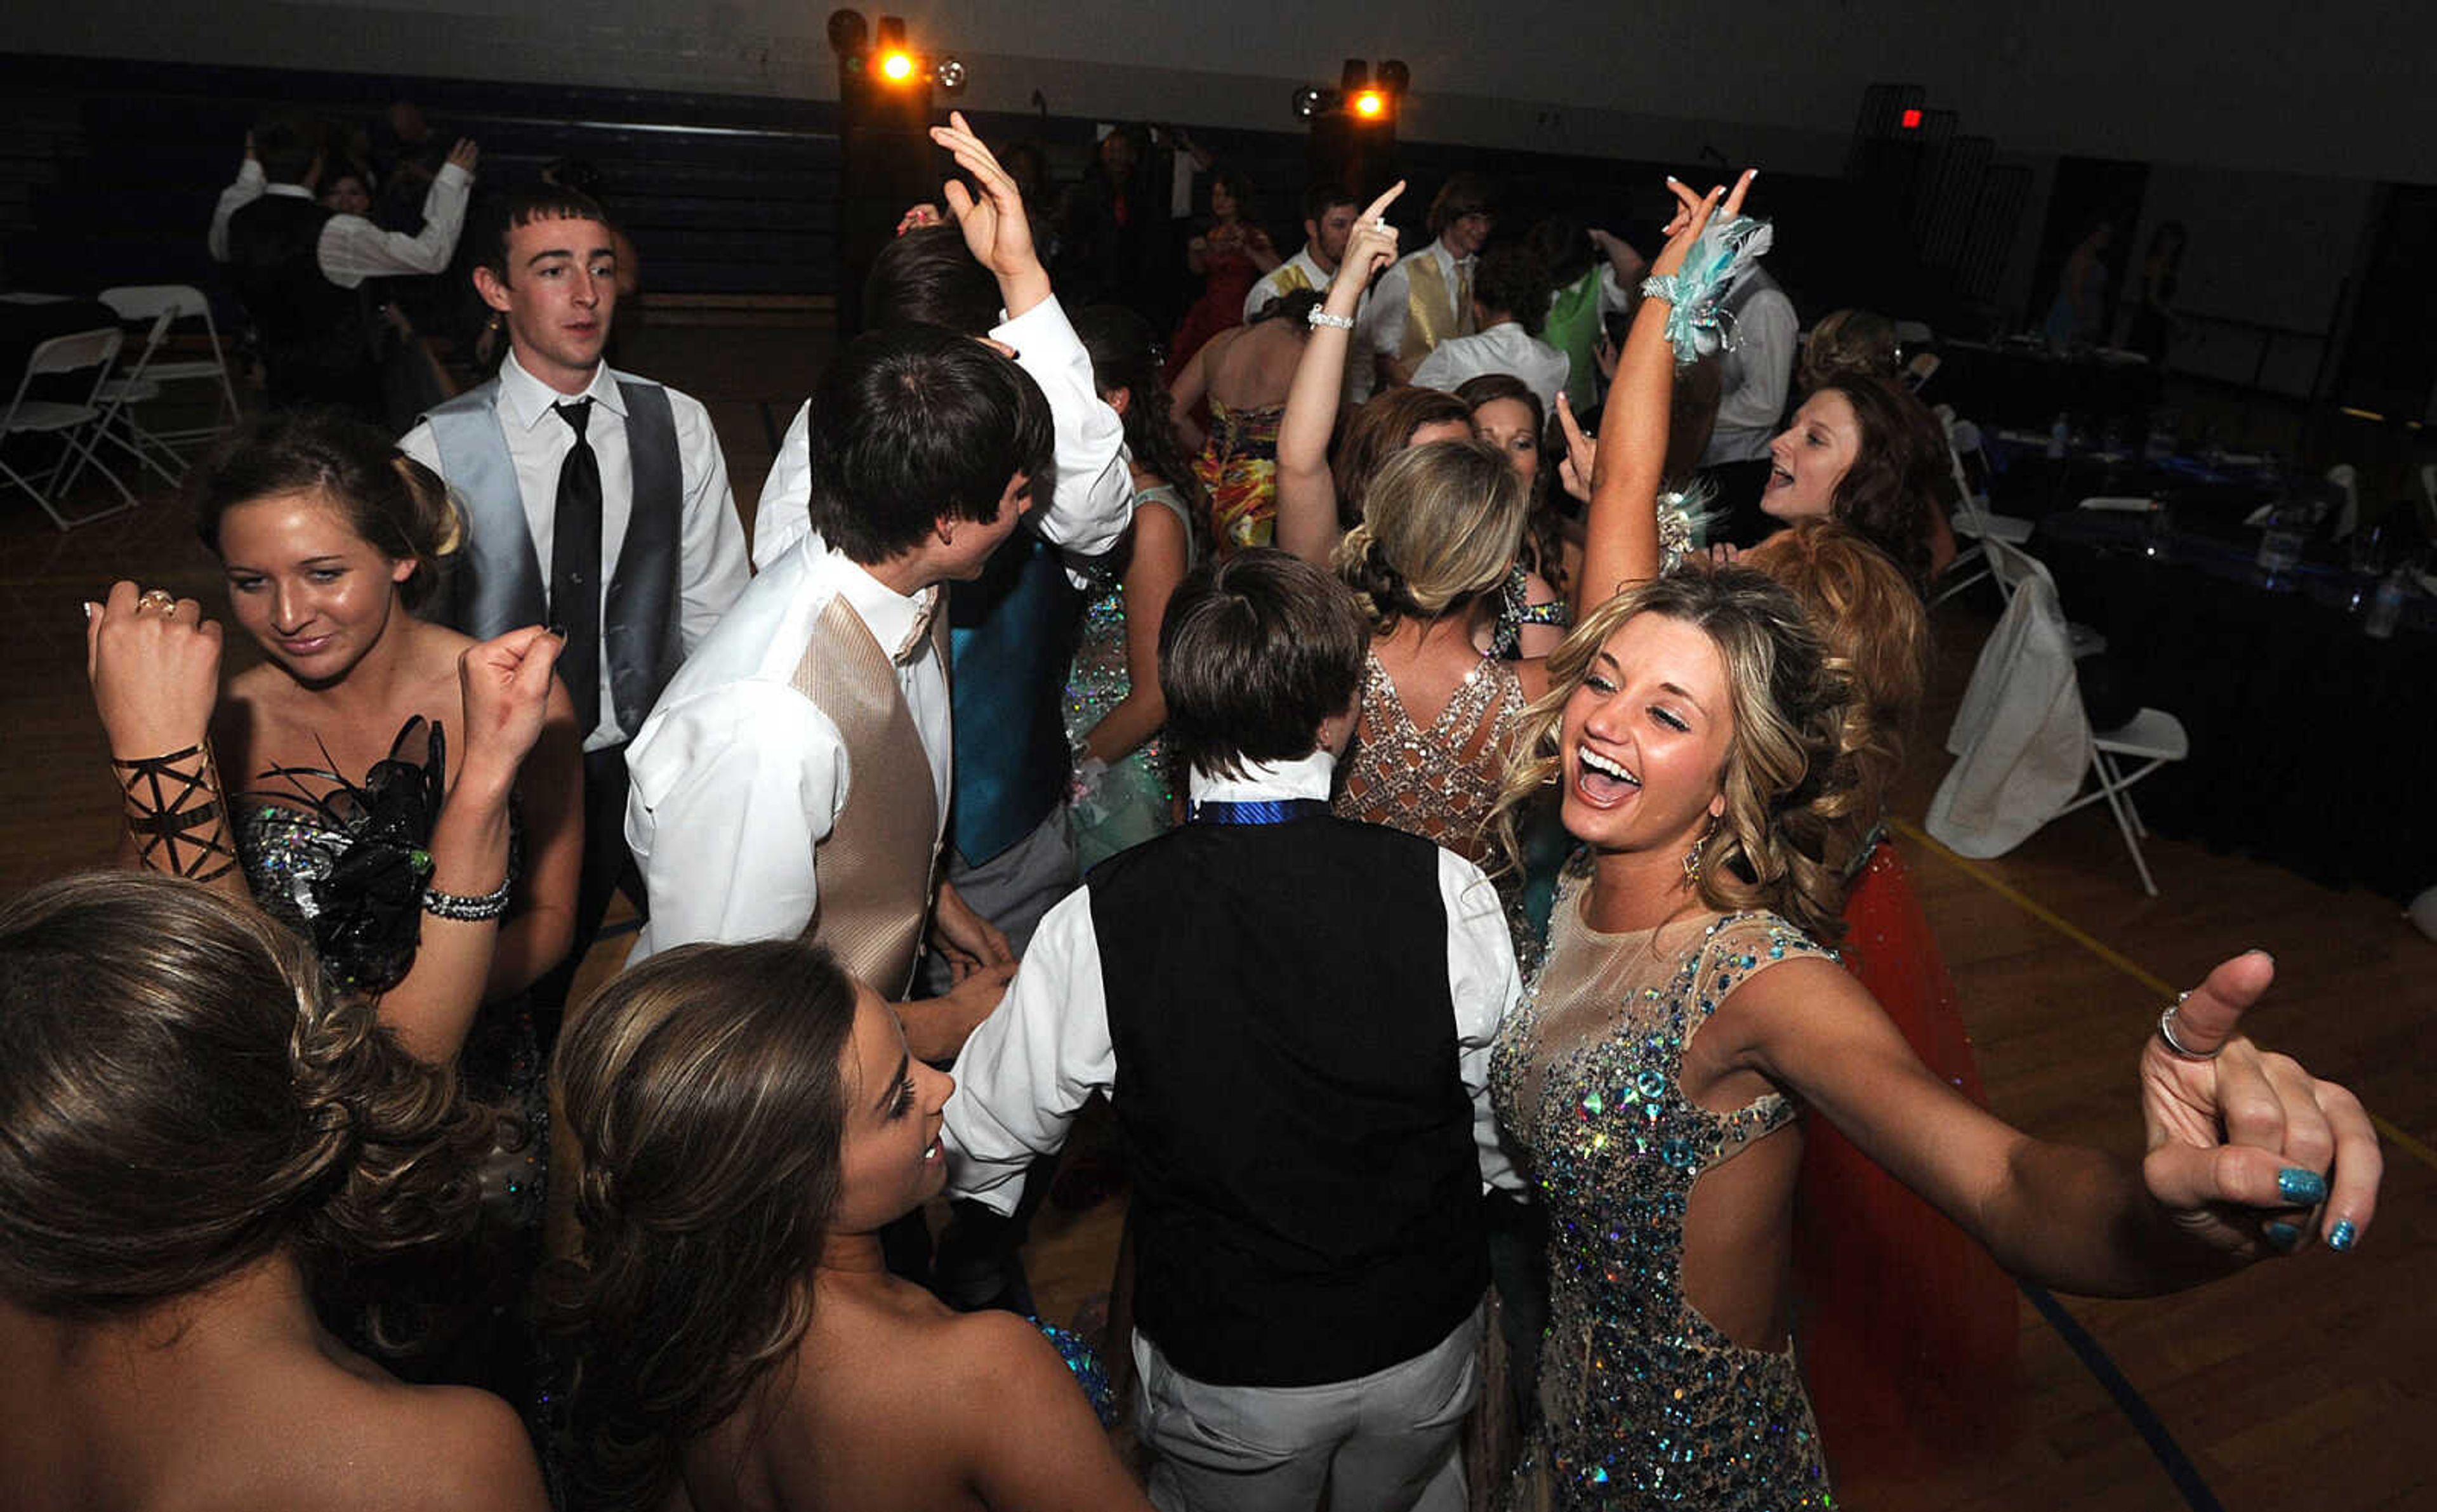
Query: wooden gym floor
(2297, 1385)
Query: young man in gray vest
(594, 500)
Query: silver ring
(2167, 1031)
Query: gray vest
(497, 582)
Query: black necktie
(575, 567)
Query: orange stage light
(897, 67)
(1370, 103)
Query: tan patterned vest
(1428, 303)
(880, 863)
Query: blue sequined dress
(1134, 800)
(1645, 1403)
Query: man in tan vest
(795, 775)
(1427, 297)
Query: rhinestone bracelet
(489, 905)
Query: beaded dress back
(1645, 1403)
(1439, 783)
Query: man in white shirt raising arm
(297, 265)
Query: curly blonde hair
(182, 1095)
(1793, 805)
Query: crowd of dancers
(1354, 774)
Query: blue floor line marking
(2170, 1455)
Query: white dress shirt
(1047, 1047)
(1273, 286)
(710, 539)
(353, 248)
(1504, 348)
(1091, 497)
(1380, 327)
(736, 776)
(1759, 370)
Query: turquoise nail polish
(2301, 1186)
(2339, 1237)
(2282, 1236)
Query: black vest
(316, 345)
(1307, 1191)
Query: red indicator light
(1912, 119)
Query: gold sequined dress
(1439, 783)
(1645, 1403)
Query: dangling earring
(1692, 857)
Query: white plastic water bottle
(2280, 545)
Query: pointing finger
(1379, 206)
(2209, 1015)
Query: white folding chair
(2010, 564)
(118, 425)
(2153, 737)
(73, 423)
(1974, 523)
(145, 302)
(2024, 736)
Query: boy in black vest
(1292, 1014)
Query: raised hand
(154, 662)
(1693, 214)
(2247, 1151)
(996, 229)
(1574, 468)
(1373, 246)
(466, 153)
(506, 687)
(1622, 256)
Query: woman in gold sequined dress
(1439, 707)
(1700, 745)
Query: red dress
(1228, 279)
(1908, 1327)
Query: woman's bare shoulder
(369, 1441)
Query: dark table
(2026, 481)
(2311, 742)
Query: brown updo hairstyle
(1792, 807)
(181, 1096)
(1849, 343)
(1875, 631)
(400, 507)
(1440, 532)
(707, 1096)
(1380, 427)
(1899, 474)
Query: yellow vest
(1428, 305)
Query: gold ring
(156, 599)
